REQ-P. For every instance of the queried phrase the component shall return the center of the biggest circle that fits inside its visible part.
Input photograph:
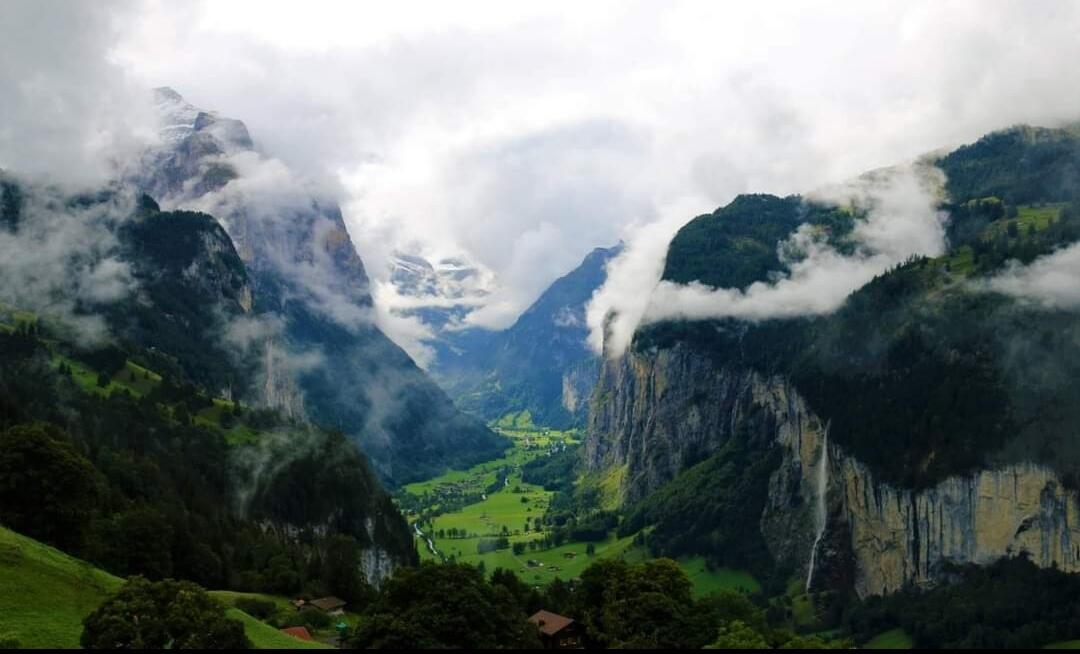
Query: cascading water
(822, 510)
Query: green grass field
(891, 639)
(710, 581)
(1065, 644)
(504, 508)
(263, 636)
(45, 594)
(132, 378)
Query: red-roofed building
(298, 632)
(556, 631)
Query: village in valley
(491, 517)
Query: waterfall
(822, 510)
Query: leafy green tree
(444, 605)
(163, 614)
(139, 542)
(739, 635)
(47, 489)
(342, 570)
(647, 604)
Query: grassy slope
(45, 594)
(891, 639)
(1067, 644)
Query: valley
(489, 516)
(636, 326)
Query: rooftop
(550, 623)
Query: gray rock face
(323, 357)
(654, 412)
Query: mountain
(541, 365)
(930, 420)
(118, 443)
(323, 357)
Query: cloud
(290, 221)
(523, 135)
(68, 113)
(901, 220)
(1050, 281)
(62, 263)
(617, 307)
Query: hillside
(144, 458)
(540, 365)
(929, 418)
(46, 594)
(322, 358)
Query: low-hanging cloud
(617, 307)
(901, 220)
(61, 261)
(67, 112)
(524, 135)
(1050, 281)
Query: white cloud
(62, 261)
(901, 221)
(1050, 280)
(524, 135)
(66, 111)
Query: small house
(329, 605)
(300, 633)
(556, 631)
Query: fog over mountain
(627, 324)
(521, 137)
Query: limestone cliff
(657, 412)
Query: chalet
(556, 631)
(330, 605)
(298, 632)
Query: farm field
(462, 509)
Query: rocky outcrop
(657, 412)
(321, 355)
(900, 536)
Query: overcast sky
(522, 135)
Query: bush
(311, 618)
(255, 607)
(155, 615)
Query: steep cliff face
(321, 357)
(900, 536)
(658, 412)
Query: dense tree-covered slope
(125, 453)
(922, 380)
(329, 362)
(923, 372)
